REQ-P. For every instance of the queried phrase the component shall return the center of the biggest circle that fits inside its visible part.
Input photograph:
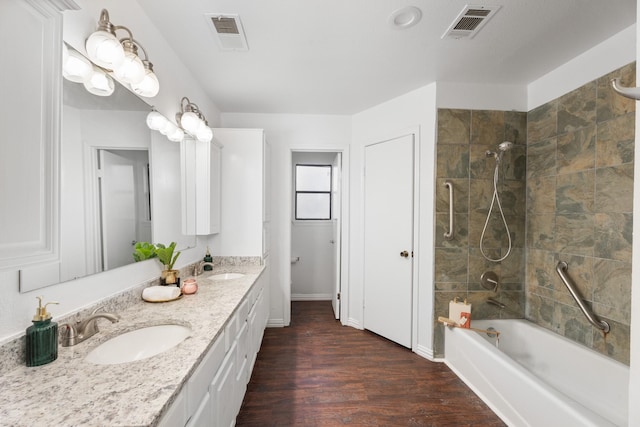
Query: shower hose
(495, 200)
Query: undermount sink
(138, 344)
(226, 276)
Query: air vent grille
(225, 25)
(227, 29)
(470, 21)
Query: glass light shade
(190, 122)
(168, 128)
(76, 68)
(104, 49)
(176, 135)
(204, 134)
(149, 86)
(99, 83)
(131, 70)
(156, 121)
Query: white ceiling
(342, 56)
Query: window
(313, 192)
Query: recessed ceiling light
(405, 17)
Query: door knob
(404, 254)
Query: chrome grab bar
(448, 235)
(561, 268)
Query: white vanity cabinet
(201, 186)
(214, 393)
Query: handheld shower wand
(502, 148)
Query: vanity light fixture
(75, 67)
(99, 83)
(121, 56)
(156, 121)
(191, 119)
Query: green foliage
(166, 256)
(144, 250)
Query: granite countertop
(73, 392)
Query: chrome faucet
(84, 329)
(496, 303)
(197, 270)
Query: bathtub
(538, 378)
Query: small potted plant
(166, 256)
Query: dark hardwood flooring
(319, 373)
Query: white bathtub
(538, 378)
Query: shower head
(505, 146)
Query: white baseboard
(311, 297)
(275, 323)
(425, 352)
(353, 323)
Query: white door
(117, 209)
(388, 238)
(336, 215)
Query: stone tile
(541, 268)
(614, 189)
(517, 231)
(461, 230)
(481, 166)
(541, 232)
(615, 141)
(479, 307)
(616, 343)
(515, 127)
(574, 192)
(512, 268)
(541, 158)
(612, 288)
(609, 103)
(574, 233)
(487, 127)
(614, 236)
(513, 197)
(493, 234)
(542, 122)
(515, 304)
(577, 150)
(451, 286)
(478, 265)
(541, 311)
(454, 126)
(572, 324)
(452, 161)
(577, 109)
(541, 194)
(451, 264)
(514, 163)
(460, 195)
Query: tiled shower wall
(464, 137)
(574, 159)
(580, 210)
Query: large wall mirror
(115, 179)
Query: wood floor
(319, 373)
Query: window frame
(296, 192)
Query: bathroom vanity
(201, 381)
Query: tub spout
(496, 303)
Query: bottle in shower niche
(42, 337)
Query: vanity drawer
(199, 382)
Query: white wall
(16, 309)
(312, 275)
(414, 112)
(601, 59)
(286, 133)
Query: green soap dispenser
(208, 258)
(42, 337)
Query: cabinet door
(222, 391)
(202, 416)
(208, 162)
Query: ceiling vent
(228, 30)
(470, 21)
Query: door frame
(415, 132)
(344, 241)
